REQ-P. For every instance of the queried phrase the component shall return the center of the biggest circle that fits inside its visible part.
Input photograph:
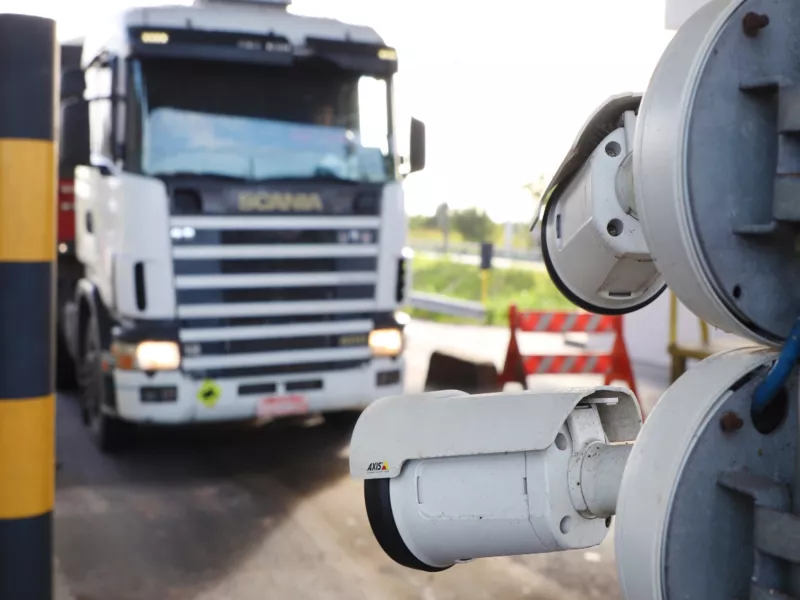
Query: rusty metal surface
(778, 534)
(760, 593)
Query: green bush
(432, 236)
(421, 222)
(470, 225)
(527, 288)
(474, 225)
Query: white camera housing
(592, 242)
(451, 477)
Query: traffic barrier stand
(449, 371)
(614, 365)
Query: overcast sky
(503, 86)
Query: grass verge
(528, 289)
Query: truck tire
(66, 378)
(111, 435)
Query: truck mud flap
(110, 395)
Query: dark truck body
(70, 62)
(69, 269)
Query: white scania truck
(239, 217)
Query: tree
(536, 189)
(473, 225)
(421, 222)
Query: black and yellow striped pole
(28, 60)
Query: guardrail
(468, 249)
(444, 305)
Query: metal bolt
(752, 23)
(730, 422)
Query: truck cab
(239, 218)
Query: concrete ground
(245, 514)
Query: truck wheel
(111, 435)
(66, 378)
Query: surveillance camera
(450, 477)
(592, 243)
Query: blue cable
(780, 371)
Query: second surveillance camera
(451, 477)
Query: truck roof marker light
(155, 37)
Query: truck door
(95, 185)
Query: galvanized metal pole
(28, 93)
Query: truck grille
(270, 295)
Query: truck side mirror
(417, 153)
(73, 84)
(74, 134)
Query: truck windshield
(257, 123)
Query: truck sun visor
(375, 59)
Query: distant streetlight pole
(443, 220)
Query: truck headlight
(386, 342)
(147, 356)
(158, 356)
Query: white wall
(647, 332)
(677, 11)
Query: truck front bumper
(172, 397)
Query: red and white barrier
(614, 365)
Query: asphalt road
(246, 514)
